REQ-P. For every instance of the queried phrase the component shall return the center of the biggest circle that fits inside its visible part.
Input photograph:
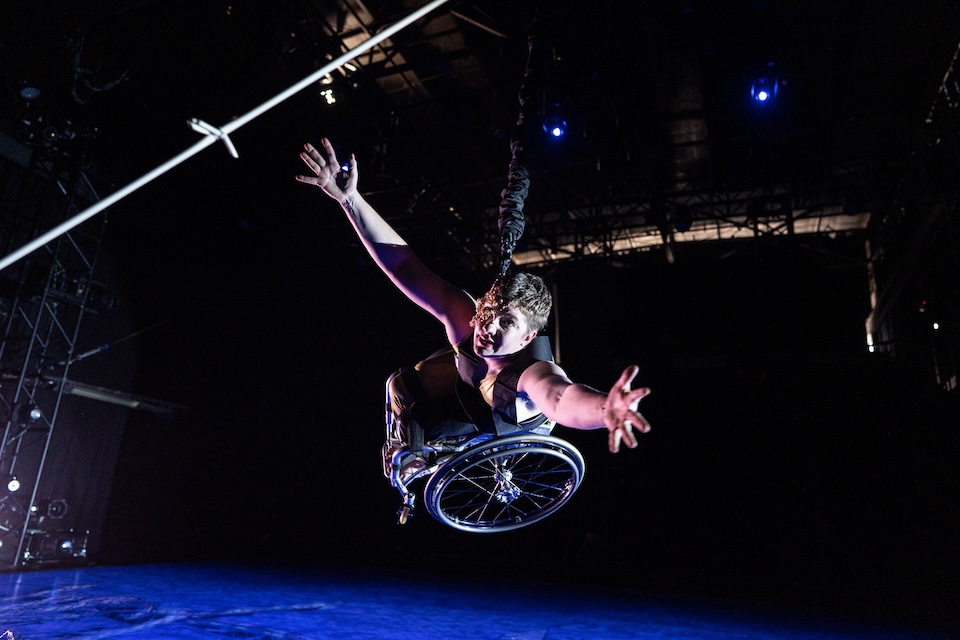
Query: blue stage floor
(185, 601)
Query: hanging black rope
(511, 221)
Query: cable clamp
(208, 129)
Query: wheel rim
(508, 484)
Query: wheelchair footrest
(406, 509)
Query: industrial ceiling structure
(666, 140)
(666, 143)
(693, 123)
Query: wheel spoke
(509, 483)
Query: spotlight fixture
(55, 547)
(70, 544)
(46, 508)
(763, 90)
(328, 96)
(556, 127)
(554, 123)
(10, 482)
(29, 93)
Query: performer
(496, 349)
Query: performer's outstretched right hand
(337, 181)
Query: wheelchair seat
(480, 482)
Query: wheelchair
(483, 483)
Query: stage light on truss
(10, 482)
(70, 544)
(50, 547)
(29, 93)
(554, 123)
(556, 127)
(763, 90)
(329, 96)
(46, 508)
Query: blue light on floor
(256, 602)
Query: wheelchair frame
(484, 483)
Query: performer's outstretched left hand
(621, 415)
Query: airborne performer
(500, 375)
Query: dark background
(786, 463)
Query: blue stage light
(763, 91)
(554, 123)
(555, 126)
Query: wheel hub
(506, 491)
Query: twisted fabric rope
(511, 222)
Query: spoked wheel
(504, 484)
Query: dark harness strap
(501, 419)
(416, 393)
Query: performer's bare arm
(578, 406)
(450, 305)
(571, 404)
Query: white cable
(213, 134)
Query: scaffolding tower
(43, 301)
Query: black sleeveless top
(501, 418)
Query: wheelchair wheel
(504, 484)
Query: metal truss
(913, 262)
(610, 231)
(323, 31)
(45, 300)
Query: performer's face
(500, 332)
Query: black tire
(504, 484)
